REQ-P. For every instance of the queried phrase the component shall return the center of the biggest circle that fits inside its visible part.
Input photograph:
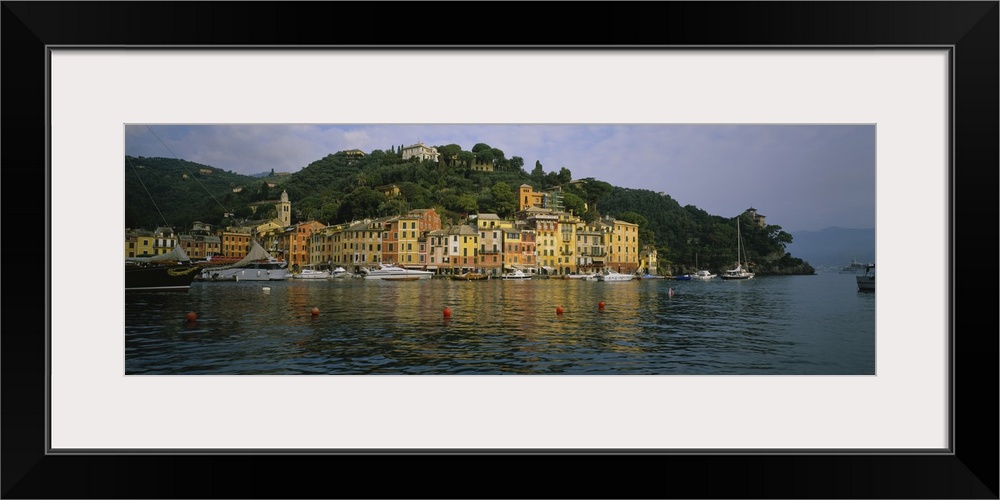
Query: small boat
(648, 276)
(866, 281)
(583, 277)
(702, 274)
(400, 278)
(309, 273)
(339, 272)
(614, 276)
(170, 271)
(854, 267)
(389, 271)
(517, 275)
(738, 273)
(683, 277)
(470, 276)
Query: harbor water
(780, 325)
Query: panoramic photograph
(468, 249)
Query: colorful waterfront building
(519, 249)
(545, 224)
(324, 245)
(362, 245)
(623, 246)
(463, 249)
(590, 249)
(566, 242)
(491, 242)
(296, 242)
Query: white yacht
(614, 276)
(391, 272)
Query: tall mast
(739, 242)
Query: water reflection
(774, 325)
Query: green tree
(516, 163)
(574, 203)
(564, 176)
(465, 159)
(449, 153)
(538, 174)
(595, 190)
(504, 199)
(360, 203)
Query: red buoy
(559, 310)
(191, 316)
(600, 305)
(315, 311)
(447, 312)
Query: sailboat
(701, 274)
(170, 271)
(739, 273)
(258, 265)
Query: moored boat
(170, 271)
(516, 275)
(470, 276)
(866, 281)
(738, 273)
(391, 272)
(614, 276)
(311, 273)
(257, 265)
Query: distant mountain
(833, 246)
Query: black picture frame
(970, 28)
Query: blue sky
(802, 177)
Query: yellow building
(527, 198)
(235, 242)
(546, 240)
(491, 241)
(623, 246)
(363, 244)
(401, 241)
(463, 248)
(590, 250)
(323, 246)
(566, 243)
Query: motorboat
(339, 272)
(392, 272)
(866, 281)
(583, 277)
(614, 276)
(470, 276)
(703, 274)
(517, 274)
(309, 273)
(854, 267)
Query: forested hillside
(340, 188)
